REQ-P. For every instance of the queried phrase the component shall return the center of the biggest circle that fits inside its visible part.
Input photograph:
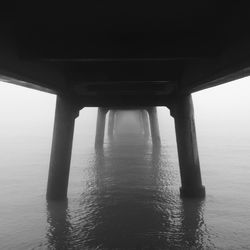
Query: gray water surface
(125, 196)
(130, 201)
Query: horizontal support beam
(103, 60)
(22, 83)
(219, 78)
(233, 64)
(35, 75)
(123, 101)
(121, 88)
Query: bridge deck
(104, 51)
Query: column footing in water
(197, 192)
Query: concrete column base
(197, 192)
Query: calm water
(125, 197)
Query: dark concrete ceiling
(139, 48)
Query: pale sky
(224, 110)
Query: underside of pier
(117, 55)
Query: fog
(131, 194)
(222, 111)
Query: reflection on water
(59, 230)
(130, 202)
(193, 229)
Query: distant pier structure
(142, 118)
(125, 57)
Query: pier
(132, 58)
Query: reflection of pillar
(59, 229)
(100, 127)
(154, 125)
(187, 147)
(192, 225)
(145, 123)
(111, 123)
(65, 115)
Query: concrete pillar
(65, 115)
(100, 127)
(154, 125)
(145, 123)
(117, 121)
(141, 124)
(187, 148)
(111, 123)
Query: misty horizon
(219, 111)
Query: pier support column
(154, 125)
(183, 113)
(145, 123)
(100, 127)
(117, 121)
(141, 124)
(111, 123)
(65, 114)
